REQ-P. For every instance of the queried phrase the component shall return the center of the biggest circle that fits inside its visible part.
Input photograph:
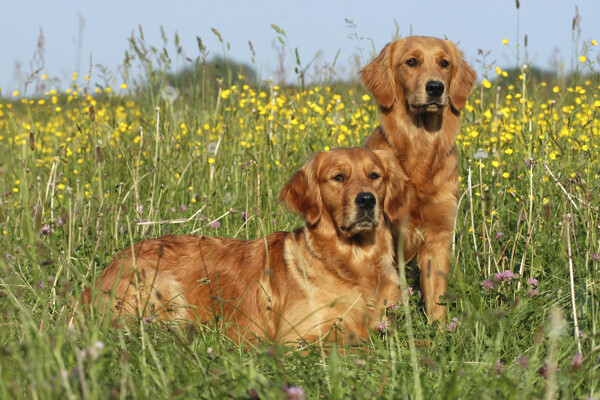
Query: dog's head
(424, 73)
(351, 188)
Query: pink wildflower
(522, 360)
(452, 325)
(294, 393)
(382, 326)
(45, 230)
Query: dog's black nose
(365, 201)
(434, 88)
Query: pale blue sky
(311, 26)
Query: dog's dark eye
(374, 176)
(339, 178)
(412, 62)
(444, 63)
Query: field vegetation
(86, 171)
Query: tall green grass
(86, 172)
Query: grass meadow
(86, 171)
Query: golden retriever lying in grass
(335, 272)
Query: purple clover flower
(532, 282)
(498, 367)
(452, 325)
(215, 225)
(294, 393)
(487, 284)
(522, 360)
(45, 230)
(509, 276)
(504, 276)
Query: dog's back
(191, 277)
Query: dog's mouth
(363, 224)
(431, 106)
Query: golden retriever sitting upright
(421, 84)
(336, 271)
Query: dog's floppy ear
(463, 79)
(397, 189)
(301, 193)
(378, 77)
